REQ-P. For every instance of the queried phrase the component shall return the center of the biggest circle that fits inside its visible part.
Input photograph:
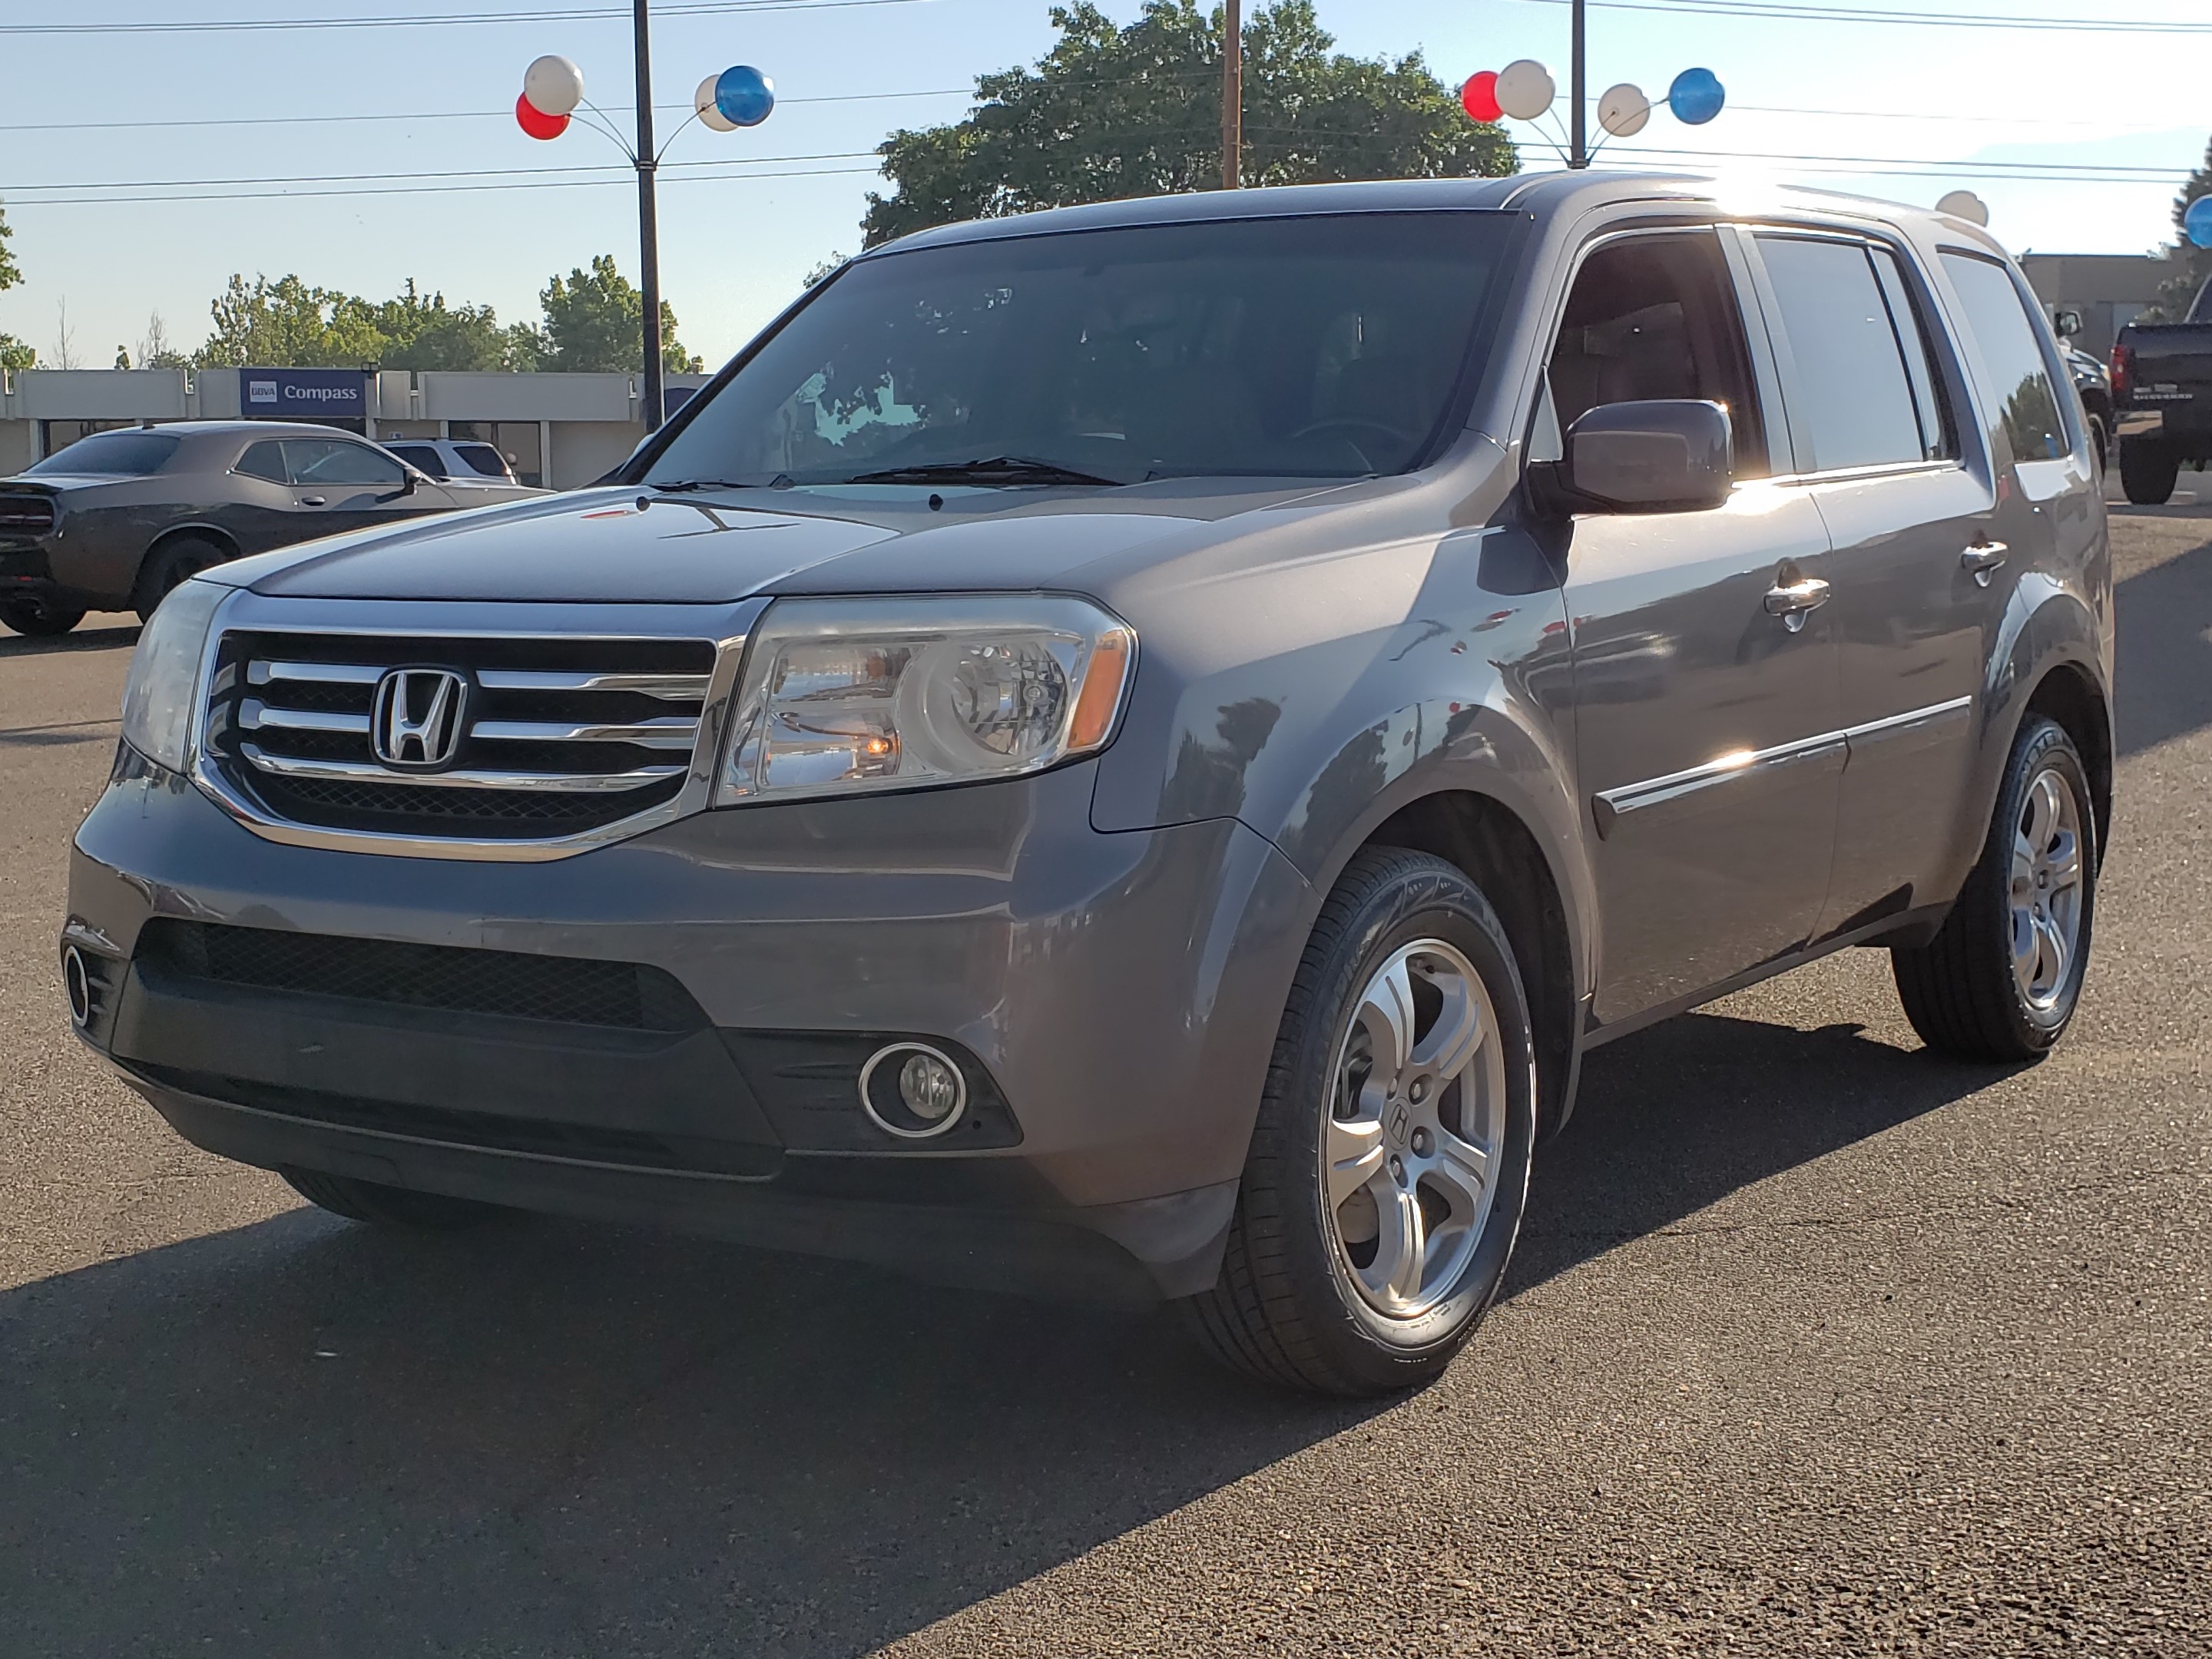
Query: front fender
(1361, 682)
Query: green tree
(287, 324)
(1112, 112)
(2192, 265)
(426, 333)
(14, 354)
(593, 320)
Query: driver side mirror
(410, 480)
(2066, 322)
(1659, 455)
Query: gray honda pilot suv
(1133, 750)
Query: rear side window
(1853, 400)
(421, 457)
(2016, 375)
(483, 458)
(264, 460)
(112, 454)
(1937, 436)
(1656, 316)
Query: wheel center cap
(1398, 1122)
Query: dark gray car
(119, 518)
(1134, 749)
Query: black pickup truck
(2162, 399)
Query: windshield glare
(131, 454)
(1322, 347)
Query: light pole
(1232, 94)
(553, 90)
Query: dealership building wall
(562, 430)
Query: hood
(600, 546)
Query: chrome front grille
(558, 735)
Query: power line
(624, 168)
(556, 14)
(438, 189)
(435, 115)
(1789, 11)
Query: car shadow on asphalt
(84, 639)
(545, 1438)
(2164, 667)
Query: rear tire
(174, 561)
(2148, 469)
(2100, 443)
(1389, 1165)
(38, 619)
(387, 1207)
(2001, 981)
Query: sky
(99, 120)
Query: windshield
(131, 454)
(1321, 347)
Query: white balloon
(553, 85)
(1623, 110)
(703, 101)
(1525, 89)
(1965, 204)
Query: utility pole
(648, 229)
(1577, 95)
(1232, 94)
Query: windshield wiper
(999, 470)
(680, 485)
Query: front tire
(2147, 471)
(2002, 980)
(386, 1207)
(1389, 1165)
(37, 619)
(176, 562)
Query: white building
(562, 430)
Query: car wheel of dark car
(2148, 469)
(2100, 441)
(386, 1207)
(2002, 979)
(38, 619)
(1389, 1165)
(172, 562)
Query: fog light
(912, 1090)
(77, 984)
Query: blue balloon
(744, 95)
(2197, 221)
(1696, 96)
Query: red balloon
(538, 125)
(1479, 97)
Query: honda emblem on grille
(419, 717)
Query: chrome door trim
(1895, 725)
(1610, 805)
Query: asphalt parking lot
(1815, 1345)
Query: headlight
(843, 695)
(163, 690)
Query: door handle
(1794, 601)
(1982, 560)
(314, 501)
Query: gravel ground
(1815, 1345)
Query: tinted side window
(1656, 317)
(322, 461)
(1852, 399)
(421, 457)
(264, 460)
(484, 460)
(2017, 376)
(1937, 437)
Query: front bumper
(1113, 997)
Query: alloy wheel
(2045, 891)
(1417, 1125)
